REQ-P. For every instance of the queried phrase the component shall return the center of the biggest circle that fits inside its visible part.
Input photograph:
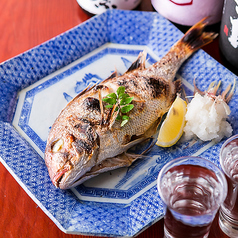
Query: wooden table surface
(23, 25)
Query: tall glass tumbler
(192, 190)
(228, 216)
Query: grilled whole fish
(86, 140)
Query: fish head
(70, 153)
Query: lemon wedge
(172, 127)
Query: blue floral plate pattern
(37, 84)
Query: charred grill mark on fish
(149, 86)
(84, 130)
(82, 145)
(99, 86)
(91, 103)
(86, 140)
(158, 87)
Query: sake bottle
(189, 12)
(228, 40)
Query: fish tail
(193, 39)
(196, 38)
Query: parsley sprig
(123, 102)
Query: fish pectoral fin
(138, 139)
(152, 130)
(119, 161)
(122, 160)
(148, 135)
(133, 142)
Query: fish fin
(150, 134)
(113, 75)
(152, 130)
(133, 142)
(195, 38)
(88, 88)
(147, 135)
(139, 63)
(119, 161)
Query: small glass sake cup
(192, 190)
(228, 215)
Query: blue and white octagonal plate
(36, 85)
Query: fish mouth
(59, 176)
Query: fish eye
(57, 145)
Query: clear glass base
(168, 235)
(228, 225)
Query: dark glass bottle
(228, 40)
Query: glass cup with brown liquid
(192, 190)
(228, 215)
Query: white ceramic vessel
(100, 6)
(189, 12)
